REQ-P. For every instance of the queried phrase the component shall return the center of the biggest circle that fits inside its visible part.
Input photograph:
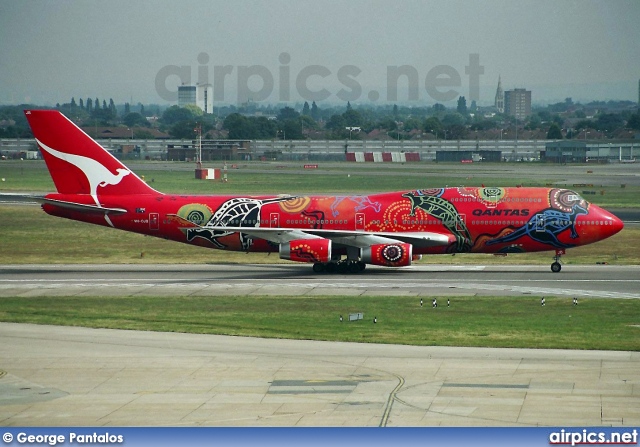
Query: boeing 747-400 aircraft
(339, 233)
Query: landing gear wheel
(556, 267)
(354, 267)
(330, 267)
(342, 267)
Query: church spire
(499, 104)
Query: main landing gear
(342, 267)
(556, 266)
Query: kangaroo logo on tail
(96, 173)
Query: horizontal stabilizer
(9, 198)
(94, 209)
(84, 208)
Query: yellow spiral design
(295, 205)
(197, 213)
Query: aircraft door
(274, 220)
(154, 221)
(540, 223)
(461, 222)
(360, 221)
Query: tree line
(265, 121)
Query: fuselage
(476, 219)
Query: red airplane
(335, 233)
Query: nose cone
(609, 224)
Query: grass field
(470, 321)
(28, 235)
(179, 178)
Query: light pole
(198, 131)
(352, 129)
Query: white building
(200, 95)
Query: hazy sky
(125, 50)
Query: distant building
(204, 97)
(211, 150)
(592, 151)
(499, 97)
(468, 156)
(517, 102)
(200, 95)
(186, 95)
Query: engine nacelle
(388, 255)
(306, 250)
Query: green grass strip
(519, 322)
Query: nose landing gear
(556, 266)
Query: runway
(66, 376)
(286, 279)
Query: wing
(360, 239)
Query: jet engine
(388, 255)
(306, 250)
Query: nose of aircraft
(609, 224)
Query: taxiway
(296, 279)
(68, 376)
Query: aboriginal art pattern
(305, 251)
(196, 213)
(304, 254)
(361, 203)
(316, 216)
(491, 195)
(392, 253)
(431, 201)
(547, 225)
(295, 204)
(237, 212)
(487, 196)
